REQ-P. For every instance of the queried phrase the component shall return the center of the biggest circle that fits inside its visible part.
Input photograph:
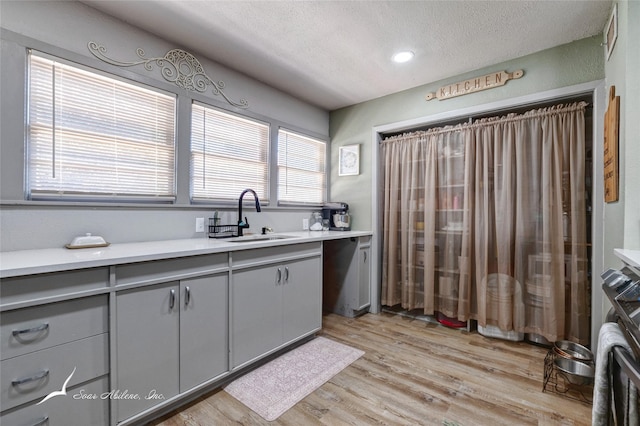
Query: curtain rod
(478, 122)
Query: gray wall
(64, 29)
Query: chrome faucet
(245, 224)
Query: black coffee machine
(338, 215)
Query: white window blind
(97, 138)
(301, 169)
(228, 155)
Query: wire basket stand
(221, 231)
(556, 381)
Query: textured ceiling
(337, 53)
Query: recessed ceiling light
(405, 56)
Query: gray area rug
(275, 387)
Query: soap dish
(87, 241)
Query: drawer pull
(35, 329)
(40, 375)
(172, 299)
(187, 296)
(42, 421)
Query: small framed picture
(611, 33)
(349, 160)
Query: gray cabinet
(24, 290)
(83, 405)
(40, 327)
(364, 277)
(171, 337)
(46, 346)
(347, 276)
(301, 298)
(204, 325)
(146, 335)
(276, 302)
(148, 346)
(256, 313)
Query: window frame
(15, 193)
(266, 199)
(70, 196)
(276, 165)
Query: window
(228, 155)
(96, 138)
(301, 169)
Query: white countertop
(27, 262)
(630, 257)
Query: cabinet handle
(38, 376)
(286, 274)
(42, 421)
(35, 329)
(365, 256)
(279, 276)
(172, 299)
(187, 296)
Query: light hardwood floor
(413, 373)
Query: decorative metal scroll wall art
(177, 66)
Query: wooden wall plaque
(611, 129)
(473, 85)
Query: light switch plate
(305, 224)
(199, 224)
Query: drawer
(171, 269)
(56, 284)
(254, 257)
(78, 407)
(47, 370)
(40, 327)
(365, 241)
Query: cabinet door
(203, 329)
(256, 312)
(364, 284)
(147, 347)
(302, 298)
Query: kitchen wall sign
(178, 67)
(476, 84)
(611, 128)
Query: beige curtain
(422, 221)
(487, 221)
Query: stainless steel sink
(255, 238)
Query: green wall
(622, 71)
(577, 62)
(615, 70)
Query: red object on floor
(450, 322)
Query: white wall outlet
(305, 224)
(199, 224)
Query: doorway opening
(591, 93)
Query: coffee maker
(338, 215)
